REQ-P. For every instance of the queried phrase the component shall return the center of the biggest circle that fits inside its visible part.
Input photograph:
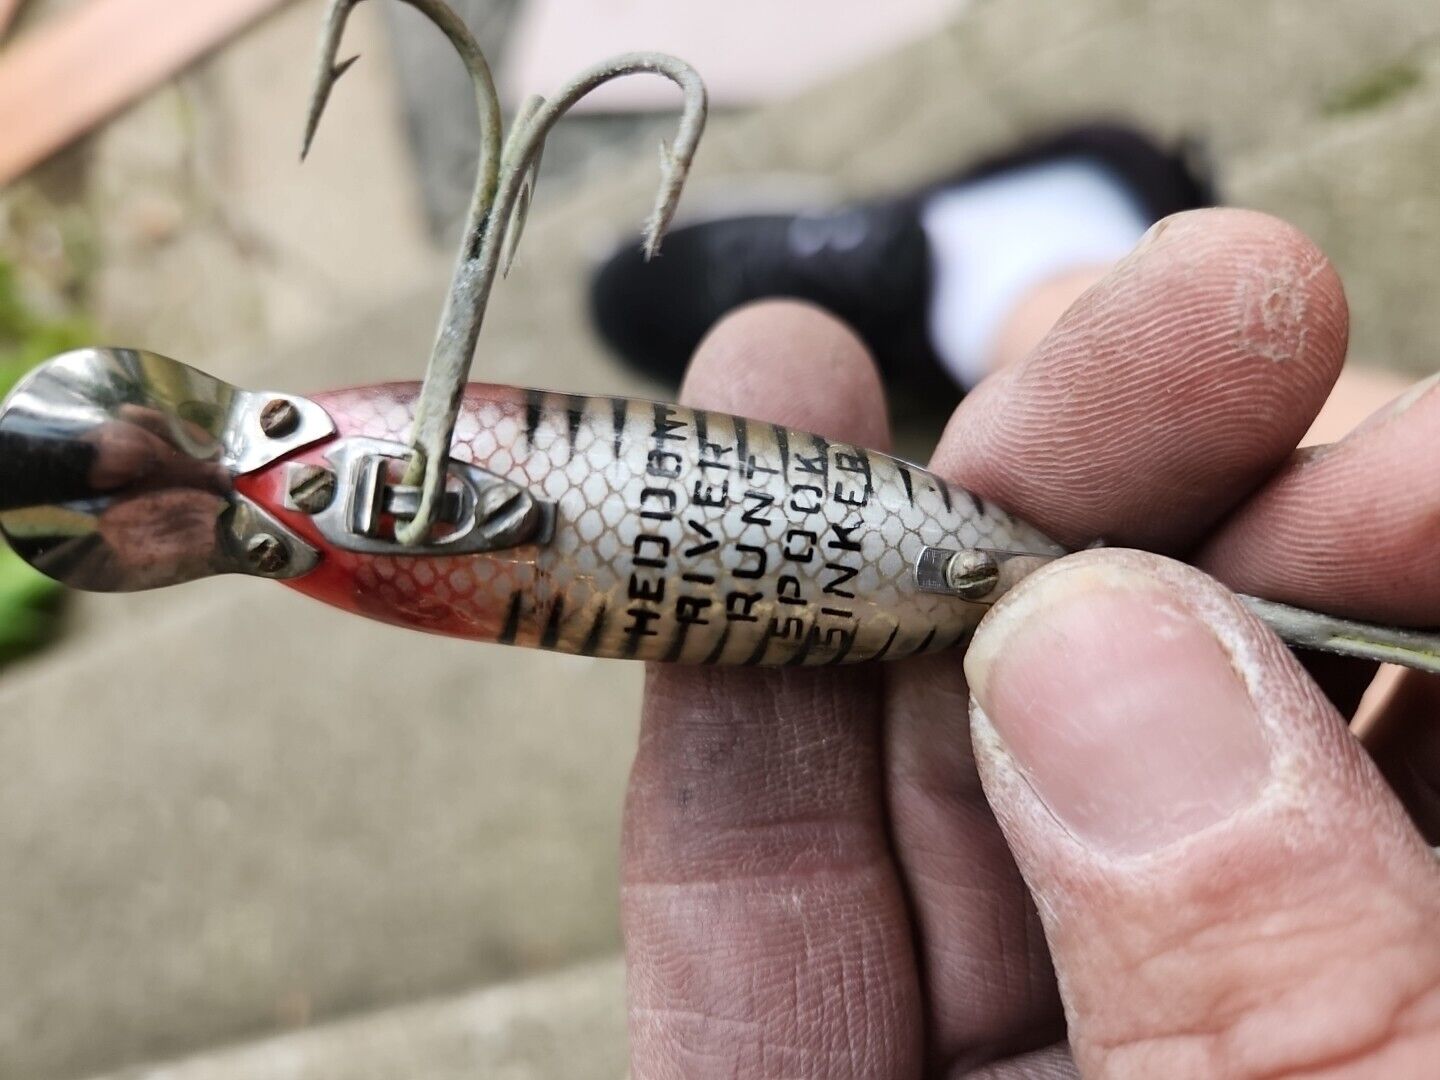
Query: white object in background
(747, 50)
(994, 239)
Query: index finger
(765, 925)
(1154, 405)
(1169, 391)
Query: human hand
(815, 882)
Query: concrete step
(249, 810)
(565, 1026)
(1365, 187)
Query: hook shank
(439, 402)
(497, 216)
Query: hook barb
(520, 125)
(330, 69)
(330, 74)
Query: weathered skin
(680, 535)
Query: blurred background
(242, 835)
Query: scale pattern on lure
(587, 525)
(679, 535)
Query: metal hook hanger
(498, 210)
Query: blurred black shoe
(869, 264)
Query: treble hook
(497, 216)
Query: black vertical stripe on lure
(807, 643)
(846, 644)
(782, 440)
(754, 659)
(638, 630)
(551, 634)
(677, 643)
(574, 417)
(633, 637)
(591, 644)
(909, 483)
(702, 429)
(935, 643)
(719, 649)
(534, 404)
(512, 619)
(956, 640)
(890, 641)
(925, 643)
(742, 444)
(944, 489)
(619, 411)
(977, 502)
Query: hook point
(310, 129)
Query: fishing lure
(600, 526)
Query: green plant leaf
(27, 597)
(27, 606)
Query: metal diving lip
(117, 468)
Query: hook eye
(363, 506)
(117, 468)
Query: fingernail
(1151, 235)
(1401, 404)
(1120, 707)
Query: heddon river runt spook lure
(588, 525)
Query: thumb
(1227, 887)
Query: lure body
(596, 526)
(678, 535)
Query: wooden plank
(61, 79)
